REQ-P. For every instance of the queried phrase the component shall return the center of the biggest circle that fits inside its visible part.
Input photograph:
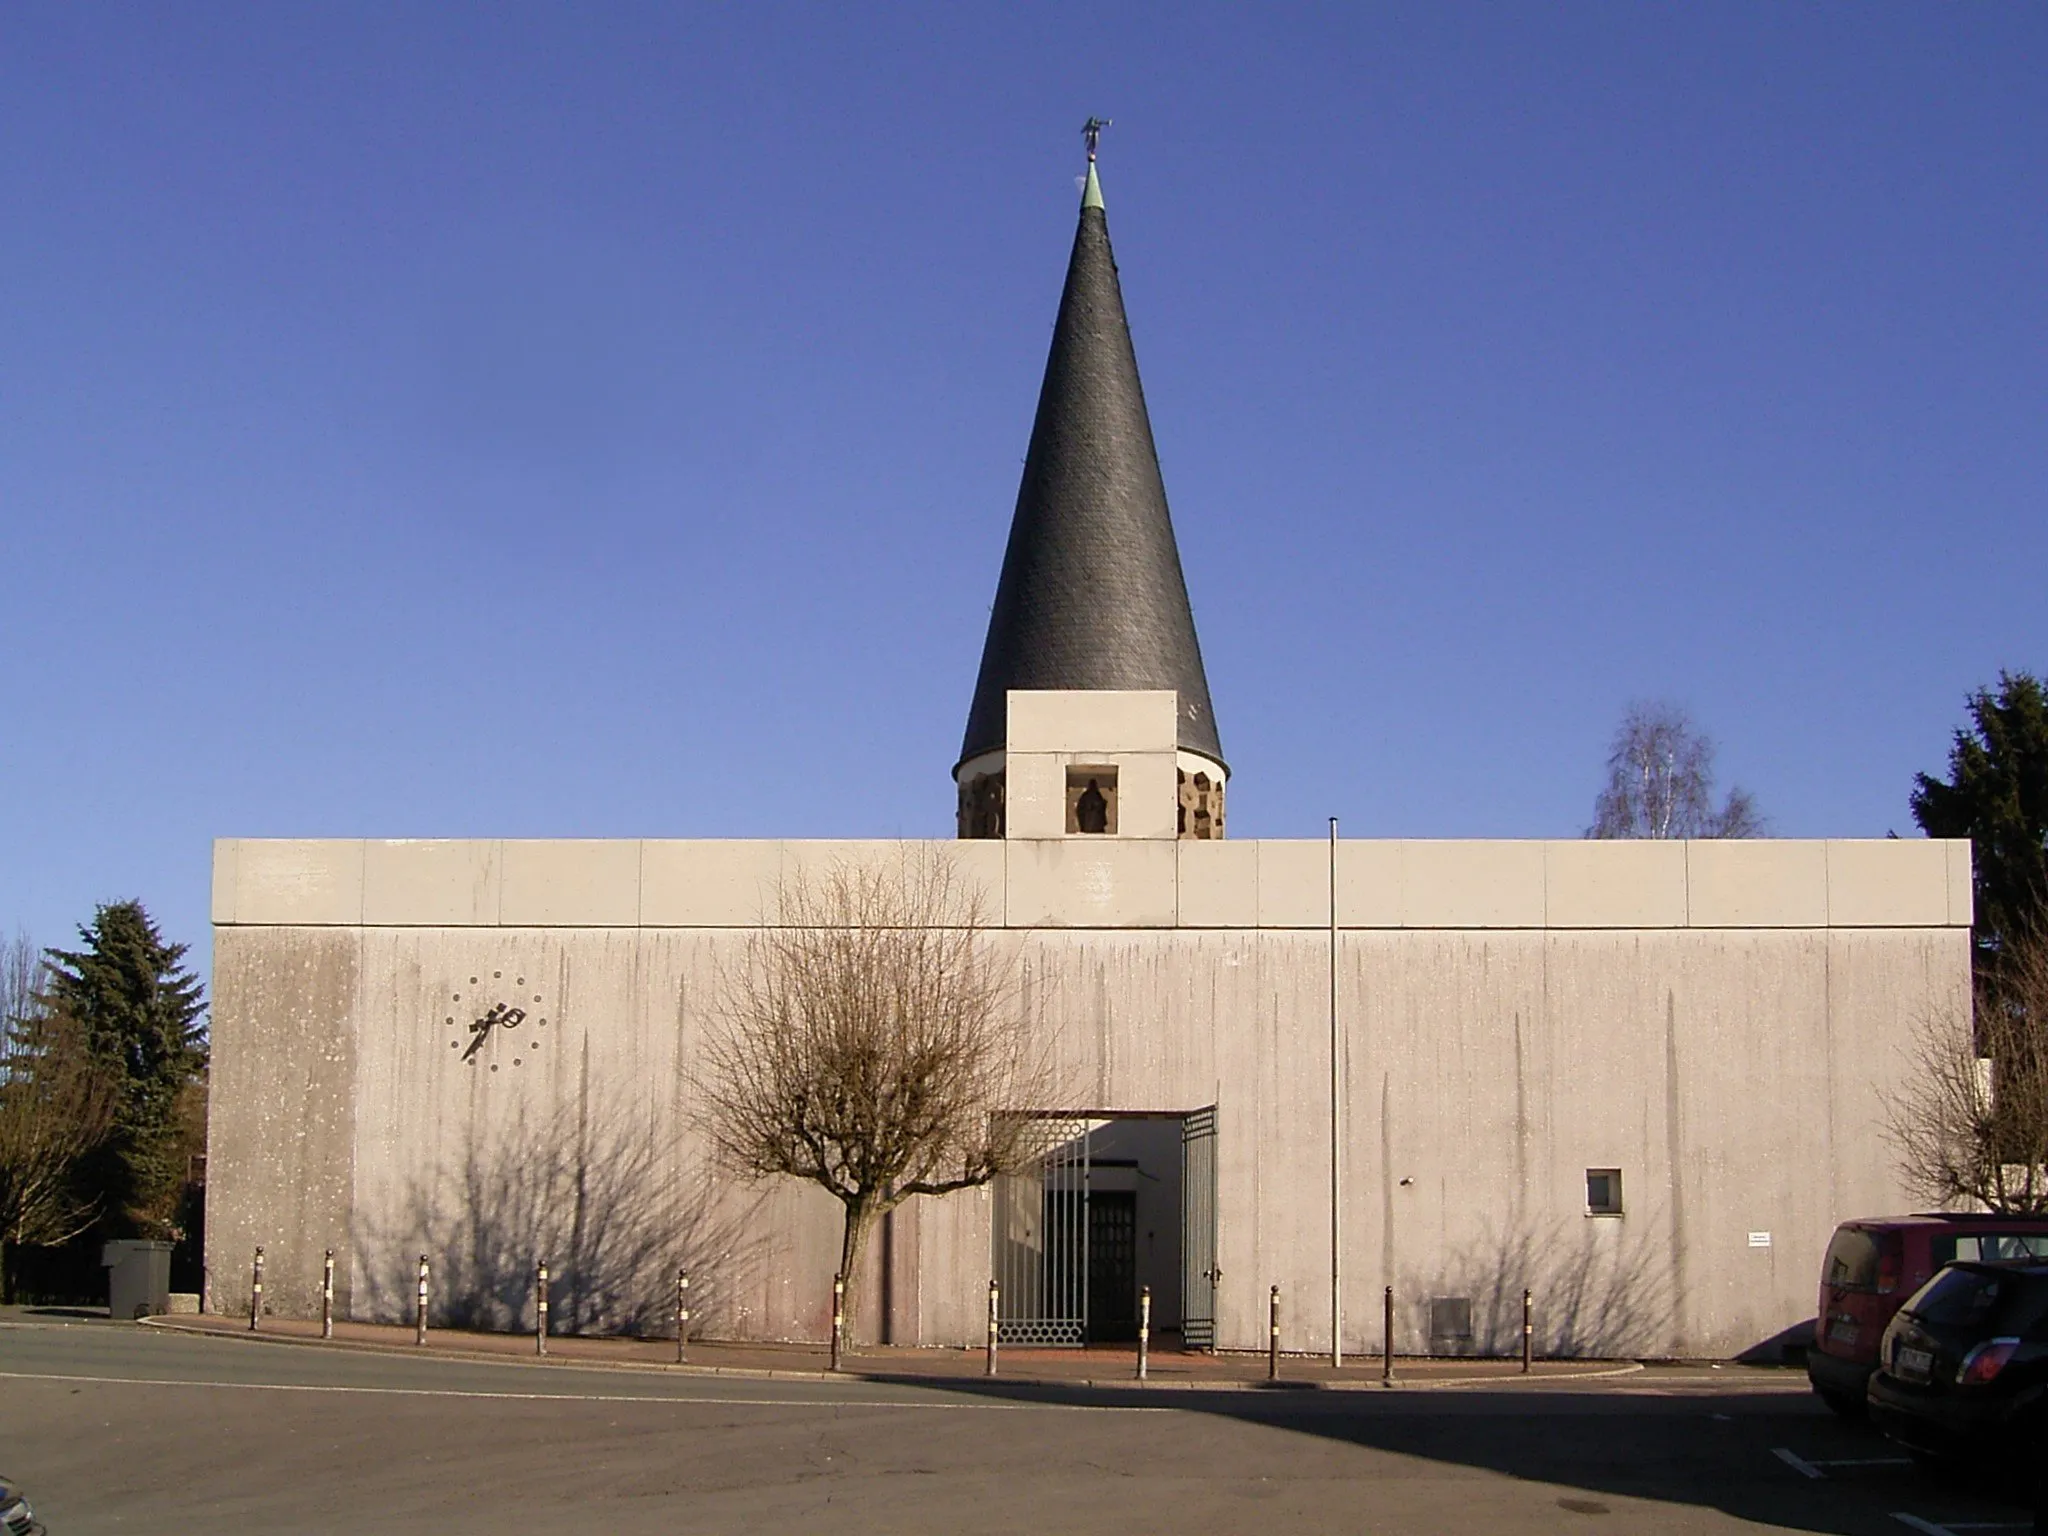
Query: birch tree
(1660, 782)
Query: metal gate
(1199, 1273)
(1041, 1242)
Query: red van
(1873, 1265)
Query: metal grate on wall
(1450, 1319)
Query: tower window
(1091, 801)
(1201, 805)
(981, 805)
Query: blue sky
(604, 420)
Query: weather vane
(1092, 131)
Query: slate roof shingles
(1091, 594)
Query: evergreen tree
(141, 1013)
(1996, 795)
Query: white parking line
(937, 1404)
(1953, 1526)
(1815, 1466)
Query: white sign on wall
(1759, 1239)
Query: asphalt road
(114, 1427)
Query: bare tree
(57, 1103)
(1971, 1121)
(875, 1043)
(1660, 782)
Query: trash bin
(138, 1277)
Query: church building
(1642, 1080)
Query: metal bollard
(1144, 1328)
(1273, 1335)
(256, 1292)
(1528, 1330)
(1387, 1339)
(419, 1330)
(838, 1318)
(327, 1296)
(682, 1314)
(540, 1307)
(993, 1294)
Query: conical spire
(1091, 595)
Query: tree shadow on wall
(597, 1196)
(1597, 1293)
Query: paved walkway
(1111, 1366)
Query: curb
(1596, 1373)
(493, 1357)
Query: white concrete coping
(1100, 721)
(1027, 883)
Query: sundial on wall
(495, 1019)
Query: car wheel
(2027, 1470)
(1854, 1409)
(1936, 1468)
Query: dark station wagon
(1962, 1377)
(1874, 1264)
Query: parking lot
(118, 1427)
(1862, 1468)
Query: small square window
(1091, 801)
(1603, 1191)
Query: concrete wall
(1717, 1020)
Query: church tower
(1091, 598)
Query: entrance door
(1199, 1273)
(1112, 1265)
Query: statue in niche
(1091, 811)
